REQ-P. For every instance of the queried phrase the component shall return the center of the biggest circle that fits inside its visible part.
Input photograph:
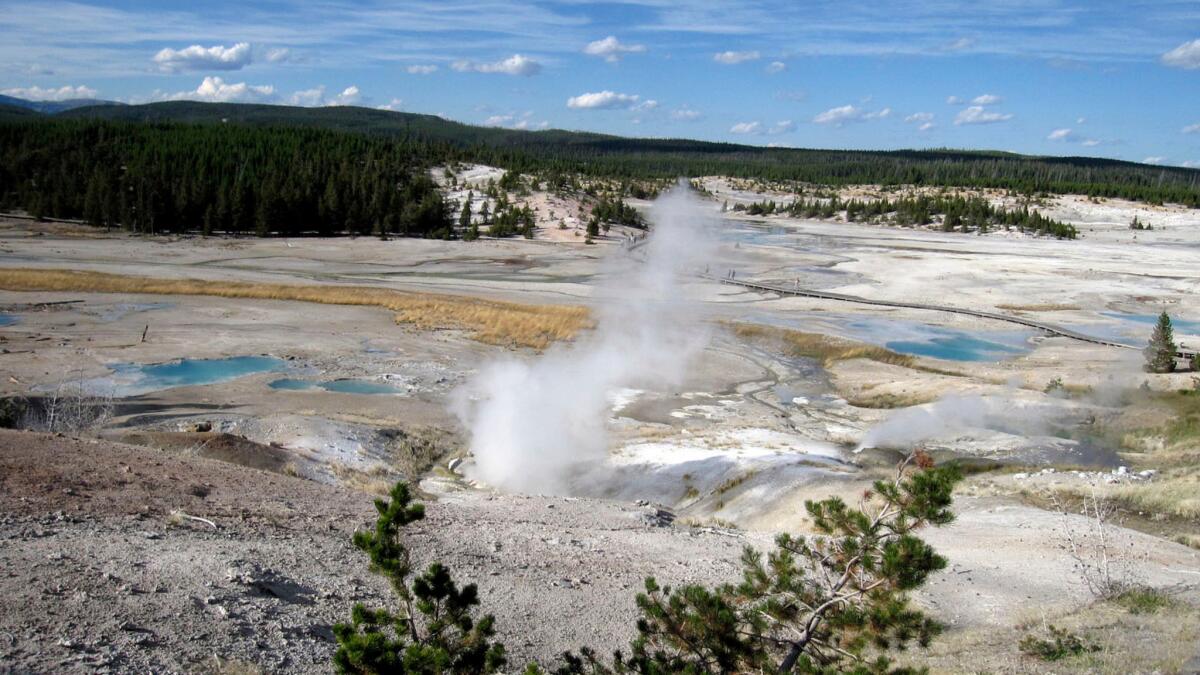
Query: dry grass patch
(378, 480)
(489, 321)
(824, 348)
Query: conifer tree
(464, 217)
(1160, 352)
(434, 630)
(829, 604)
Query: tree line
(168, 178)
(599, 155)
(957, 213)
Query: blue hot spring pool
(131, 379)
(7, 319)
(939, 342)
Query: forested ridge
(958, 213)
(159, 178)
(616, 157)
(185, 166)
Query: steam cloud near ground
(540, 426)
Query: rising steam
(540, 426)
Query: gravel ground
(99, 577)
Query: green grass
(1142, 600)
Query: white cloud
(848, 113)
(1059, 135)
(216, 90)
(919, 117)
(315, 97)
(986, 99)
(611, 49)
(959, 44)
(732, 58)
(513, 65)
(1192, 128)
(758, 128)
(1186, 55)
(649, 104)
(394, 105)
(421, 69)
(64, 93)
(217, 57)
(926, 126)
(1156, 159)
(603, 100)
(838, 116)
(953, 100)
(1080, 120)
(1190, 164)
(977, 115)
(279, 55)
(1090, 143)
(776, 67)
(523, 121)
(349, 96)
(308, 97)
(685, 115)
(783, 127)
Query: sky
(1047, 77)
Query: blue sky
(1110, 79)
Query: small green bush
(1142, 600)
(1062, 643)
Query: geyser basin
(337, 386)
(132, 379)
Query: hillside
(54, 107)
(598, 154)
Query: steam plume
(540, 426)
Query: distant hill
(54, 107)
(555, 150)
(434, 128)
(12, 112)
(340, 118)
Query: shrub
(1142, 600)
(1061, 644)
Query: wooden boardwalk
(995, 316)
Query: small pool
(1180, 325)
(346, 386)
(7, 319)
(132, 379)
(959, 347)
(912, 337)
